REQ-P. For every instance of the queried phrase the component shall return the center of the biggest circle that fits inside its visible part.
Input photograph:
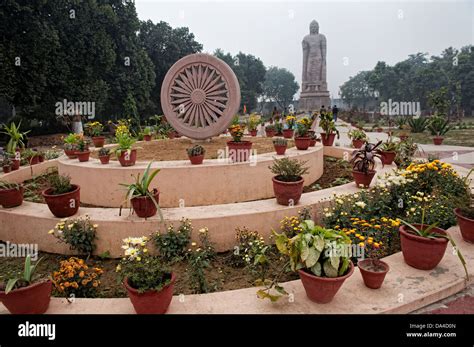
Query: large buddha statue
(314, 93)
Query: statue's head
(314, 27)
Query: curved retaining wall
(182, 184)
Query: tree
(356, 92)
(250, 72)
(280, 86)
(165, 46)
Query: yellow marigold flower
(361, 244)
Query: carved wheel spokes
(200, 95)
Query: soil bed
(175, 149)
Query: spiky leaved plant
(280, 141)
(141, 187)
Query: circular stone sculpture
(200, 95)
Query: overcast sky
(358, 33)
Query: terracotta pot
(98, 141)
(197, 159)
(83, 156)
(15, 164)
(466, 226)
(388, 157)
(253, 133)
(127, 158)
(63, 205)
(358, 143)
(34, 160)
(71, 154)
(280, 149)
(104, 159)
(177, 135)
(323, 289)
(312, 142)
(288, 133)
(361, 178)
(270, 133)
(239, 151)
(287, 193)
(328, 140)
(144, 206)
(421, 252)
(372, 279)
(147, 138)
(302, 143)
(151, 302)
(11, 197)
(403, 137)
(33, 299)
(173, 134)
(41, 158)
(379, 130)
(7, 168)
(438, 140)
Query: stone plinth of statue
(314, 87)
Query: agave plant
(27, 277)
(439, 126)
(16, 136)
(363, 160)
(141, 187)
(418, 125)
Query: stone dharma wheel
(200, 95)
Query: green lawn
(463, 137)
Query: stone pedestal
(312, 101)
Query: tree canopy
(419, 79)
(280, 86)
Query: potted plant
(70, 145)
(16, 137)
(326, 122)
(147, 133)
(373, 272)
(270, 130)
(31, 156)
(322, 258)
(196, 154)
(358, 137)
(438, 127)
(143, 201)
(290, 125)
(465, 218)
(404, 134)
(363, 161)
(252, 124)
(26, 293)
(104, 155)
(6, 164)
(423, 246)
(15, 159)
(125, 154)
(62, 197)
(11, 194)
(279, 129)
(302, 138)
(41, 155)
(94, 129)
(280, 144)
(82, 151)
(238, 150)
(148, 282)
(314, 138)
(288, 180)
(388, 151)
